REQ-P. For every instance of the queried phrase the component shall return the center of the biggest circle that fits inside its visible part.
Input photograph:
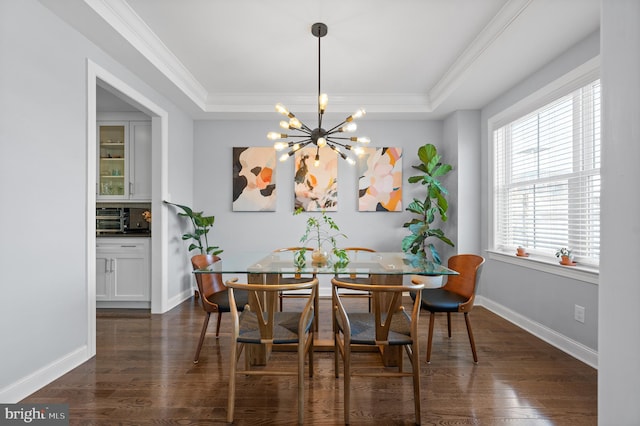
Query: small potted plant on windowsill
(565, 256)
(321, 231)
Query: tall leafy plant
(201, 226)
(434, 205)
(320, 231)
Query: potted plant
(201, 226)
(434, 205)
(320, 231)
(565, 256)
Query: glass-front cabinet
(124, 160)
(113, 164)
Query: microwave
(110, 220)
(121, 221)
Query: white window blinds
(547, 178)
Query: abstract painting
(380, 180)
(254, 183)
(316, 188)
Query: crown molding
(126, 22)
(454, 76)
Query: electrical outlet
(578, 313)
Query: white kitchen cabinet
(124, 160)
(140, 160)
(123, 272)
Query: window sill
(544, 264)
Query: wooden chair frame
(461, 287)
(387, 314)
(208, 285)
(355, 279)
(297, 278)
(263, 309)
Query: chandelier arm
(341, 154)
(336, 128)
(305, 128)
(340, 137)
(345, 146)
(302, 145)
(299, 136)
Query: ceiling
(397, 59)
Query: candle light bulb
(323, 100)
(282, 109)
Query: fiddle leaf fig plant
(201, 226)
(433, 206)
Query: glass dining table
(372, 263)
(384, 268)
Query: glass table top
(376, 263)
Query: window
(547, 178)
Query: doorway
(99, 79)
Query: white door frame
(159, 177)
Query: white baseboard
(179, 298)
(24, 387)
(560, 341)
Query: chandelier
(319, 137)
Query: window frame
(575, 79)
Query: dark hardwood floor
(143, 374)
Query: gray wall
(266, 231)
(545, 301)
(618, 384)
(43, 188)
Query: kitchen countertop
(124, 235)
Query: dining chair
(355, 278)
(457, 295)
(389, 327)
(213, 296)
(293, 279)
(261, 323)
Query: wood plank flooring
(143, 374)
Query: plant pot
(319, 258)
(566, 260)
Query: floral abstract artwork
(254, 184)
(316, 188)
(380, 180)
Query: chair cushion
(285, 327)
(221, 299)
(363, 328)
(441, 300)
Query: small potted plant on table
(321, 231)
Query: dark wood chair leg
(432, 319)
(473, 343)
(218, 325)
(202, 334)
(449, 323)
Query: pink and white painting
(380, 180)
(254, 183)
(316, 188)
